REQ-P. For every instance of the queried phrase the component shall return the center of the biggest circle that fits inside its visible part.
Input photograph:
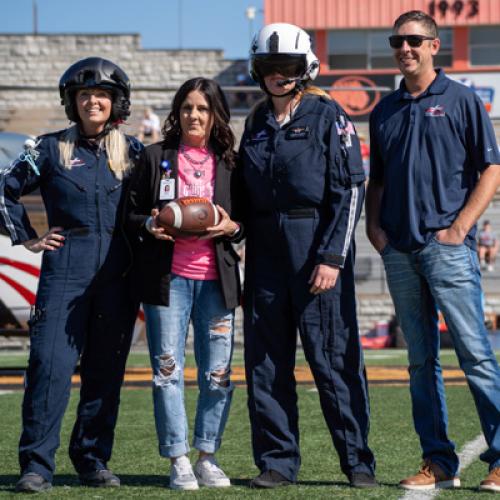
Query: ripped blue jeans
(167, 328)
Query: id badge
(167, 189)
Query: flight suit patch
(345, 129)
(76, 162)
(294, 133)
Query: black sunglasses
(396, 41)
(288, 70)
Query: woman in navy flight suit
(302, 192)
(83, 305)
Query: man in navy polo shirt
(434, 169)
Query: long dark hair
(221, 136)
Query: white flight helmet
(281, 45)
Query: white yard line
(378, 355)
(471, 452)
(5, 392)
(386, 353)
(467, 455)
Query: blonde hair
(311, 89)
(115, 145)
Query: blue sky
(220, 24)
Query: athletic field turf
(144, 474)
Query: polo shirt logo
(435, 111)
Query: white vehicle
(20, 268)
(19, 273)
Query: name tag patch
(294, 133)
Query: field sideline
(144, 473)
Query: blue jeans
(446, 278)
(167, 329)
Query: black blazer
(151, 270)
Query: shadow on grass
(8, 482)
(322, 483)
(473, 489)
(345, 484)
(162, 480)
(140, 480)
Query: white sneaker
(182, 476)
(208, 473)
(490, 268)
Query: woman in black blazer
(188, 278)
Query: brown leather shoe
(429, 477)
(492, 481)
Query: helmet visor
(94, 72)
(93, 78)
(289, 66)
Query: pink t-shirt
(194, 258)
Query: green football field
(381, 357)
(144, 473)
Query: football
(189, 215)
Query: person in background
(150, 127)
(241, 98)
(301, 187)
(189, 278)
(365, 154)
(487, 247)
(434, 169)
(84, 310)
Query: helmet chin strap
(107, 128)
(291, 92)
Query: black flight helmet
(96, 72)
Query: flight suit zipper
(98, 210)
